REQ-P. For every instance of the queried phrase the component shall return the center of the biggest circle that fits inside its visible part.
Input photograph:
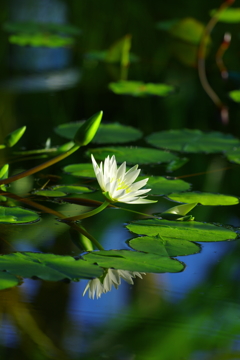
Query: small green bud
(87, 131)
(12, 138)
(4, 175)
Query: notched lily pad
(183, 230)
(204, 198)
(138, 88)
(48, 266)
(106, 134)
(163, 246)
(134, 261)
(193, 141)
(17, 215)
(133, 155)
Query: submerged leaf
(134, 261)
(191, 230)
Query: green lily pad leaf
(133, 155)
(3, 198)
(106, 134)
(17, 215)
(8, 280)
(134, 261)
(235, 95)
(184, 230)
(234, 155)
(176, 164)
(229, 15)
(193, 141)
(138, 88)
(49, 193)
(73, 189)
(40, 39)
(48, 266)
(159, 185)
(80, 170)
(188, 29)
(31, 27)
(12, 138)
(204, 198)
(164, 247)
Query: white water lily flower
(111, 278)
(117, 184)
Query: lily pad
(186, 230)
(204, 198)
(138, 88)
(229, 15)
(193, 141)
(133, 155)
(134, 261)
(106, 134)
(80, 170)
(188, 29)
(159, 185)
(8, 280)
(234, 155)
(17, 215)
(40, 39)
(48, 266)
(235, 95)
(31, 27)
(163, 246)
(49, 193)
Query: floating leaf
(204, 198)
(17, 215)
(8, 280)
(186, 230)
(31, 27)
(48, 266)
(193, 141)
(49, 193)
(164, 247)
(235, 95)
(62, 190)
(40, 39)
(107, 133)
(229, 15)
(133, 155)
(134, 261)
(179, 212)
(234, 155)
(161, 186)
(80, 170)
(138, 88)
(12, 138)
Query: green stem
(85, 233)
(40, 167)
(87, 214)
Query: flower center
(123, 186)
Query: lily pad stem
(87, 214)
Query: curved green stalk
(87, 214)
(40, 167)
(85, 233)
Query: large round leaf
(8, 280)
(80, 170)
(17, 215)
(48, 266)
(204, 198)
(161, 186)
(138, 88)
(133, 155)
(184, 230)
(106, 134)
(134, 261)
(163, 246)
(193, 141)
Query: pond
(119, 201)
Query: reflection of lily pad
(163, 246)
(138, 88)
(17, 215)
(106, 134)
(204, 198)
(133, 155)
(48, 266)
(161, 186)
(134, 261)
(188, 230)
(193, 141)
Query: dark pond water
(62, 62)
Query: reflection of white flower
(111, 278)
(118, 184)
